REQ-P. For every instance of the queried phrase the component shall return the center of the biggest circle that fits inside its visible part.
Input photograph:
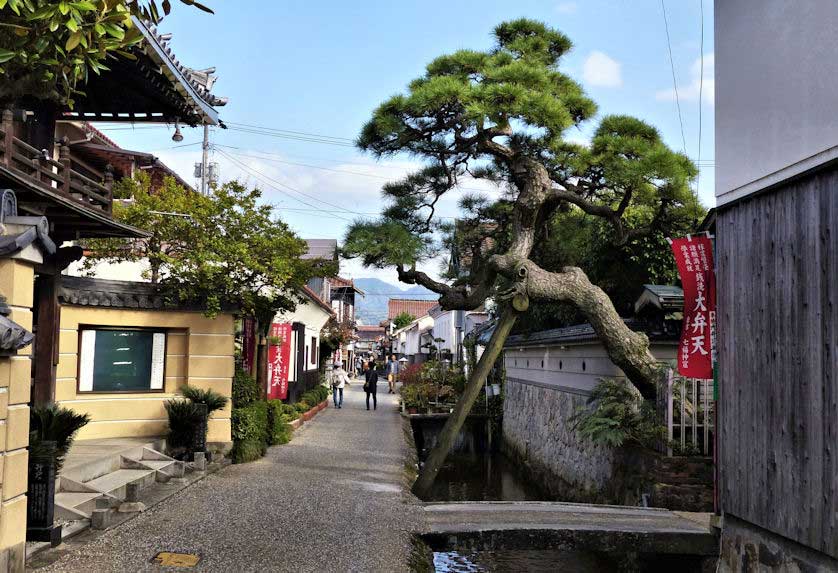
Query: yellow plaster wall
(199, 352)
(17, 286)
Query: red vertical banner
(248, 343)
(694, 256)
(279, 357)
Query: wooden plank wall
(778, 342)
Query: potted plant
(410, 398)
(51, 433)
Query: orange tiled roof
(413, 307)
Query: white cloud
(601, 70)
(566, 8)
(690, 92)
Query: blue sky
(321, 67)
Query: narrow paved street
(331, 500)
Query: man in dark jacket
(371, 384)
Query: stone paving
(333, 499)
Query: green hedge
(280, 417)
(245, 389)
(250, 432)
(260, 424)
(316, 395)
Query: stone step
(114, 483)
(157, 464)
(72, 505)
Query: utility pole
(204, 165)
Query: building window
(121, 360)
(313, 350)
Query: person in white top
(339, 380)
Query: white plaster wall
(776, 91)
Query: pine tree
(503, 115)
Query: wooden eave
(69, 219)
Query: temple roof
(156, 87)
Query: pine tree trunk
(455, 421)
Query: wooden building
(777, 259)
(53, 193)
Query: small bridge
(551, 525)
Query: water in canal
(475, 470)
(532, 561)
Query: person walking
(371, 384)
(392, 374)
(339, 380)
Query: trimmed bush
(279, 430)
(290, 412)
(250, 432)
(245, 389)
(302, 406)
(314, 396)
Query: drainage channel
(477, 471)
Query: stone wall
(16, 285)
(747, 548)
(537, 432)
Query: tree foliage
(223, 248)
(48, 48)
(403, 319)
(502, 115)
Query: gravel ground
(333, 499)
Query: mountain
(372, 307)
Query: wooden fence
(686, 408)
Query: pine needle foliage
(508, 115)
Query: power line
(260, 176)
(342, 209)
(262, 127)
(291, 137)
(674, 81)
(275, 159)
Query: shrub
(279, 429)
(184, 417)
(411, 374)
(250, 432)
(290, 412)
(314, 396)
(245, 389)
(617, 414)
(302, 407)
(212, 399)
(54, 424)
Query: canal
(477, 470)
